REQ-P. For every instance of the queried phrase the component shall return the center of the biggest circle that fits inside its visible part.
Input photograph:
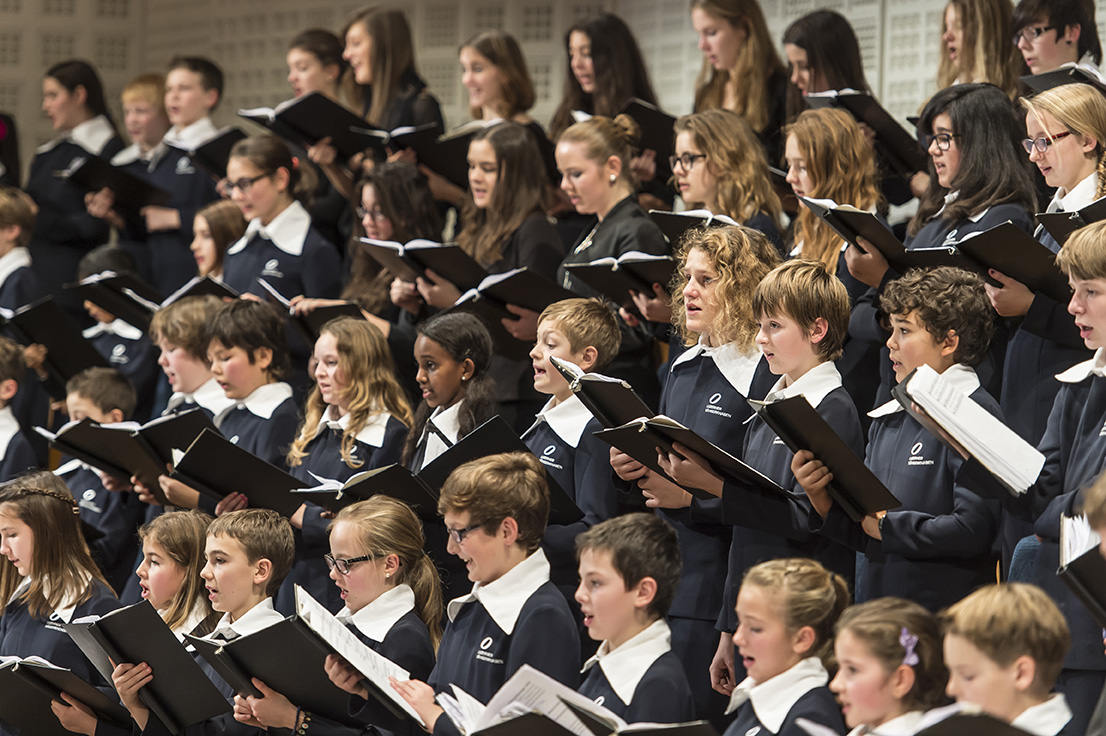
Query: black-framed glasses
(1031, 33)
(458, 535)
(376, 214)
(242, 184)
(944, 140)
(343, 566)
(686, 160)
(1042, 144)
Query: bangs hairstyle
(495, 487)
(1081, 109)
(808, 595)
(211, 76)
(804, 291)
(586, 323)
(519, 187)
(641, 546)
(182, 535)
(226, 224)
(385, 526)
(328, 48)
(17, 208)
(617, 66)
(106, 388)
(250, 325)
(371, 387)
(393, 55)
(1094, 504)
(62, 568)
(1060, 14)
(1009, 620)
(736, 158)
(183, 323)
(879, 624)
(12, 366)
(945, 300)
(841, 166)
(503, 52)
(832, 55)
(993, 166)
(148, 88)
(603, 137)
(757, 62)
(1083, 255)
(264, 535)
(986, 54)
(269, 154)
(74, 73)
(741, 258)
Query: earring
(613, 178)
(387, 575)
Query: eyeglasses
(1031, 33)
(377, 214)
(343, 566)
(1042, 144)
(242, 184)
(458, 535)
(944, 140)
(686, 160)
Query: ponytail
(425, 581)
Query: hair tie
(52, 494)
(908, 642)
(295, 163)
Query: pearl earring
(387, 575)
(613, 178)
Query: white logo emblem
(271, 264)
(599, 700)
(89, 495)
(184, 166)
(486, 643)
(549, 450)
(119, 350)
(716, 398)
(916, 449)
(753, 731)
(234, 440)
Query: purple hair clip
(908, 642)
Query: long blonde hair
(1082, 110)
(183, 536)
(841, 167)
(371, 387)
(757, 62)
(986, 54)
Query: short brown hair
(586, 323)
(1009, 620)
(641, 545)
(250, 325)
(12, 366)
(264, 535)
(495, 487)
(211, 76)
(805, 291)
(945, 300)
(1084, 253)
(106, 388)
(17, 208)
(1094, 503)
(184, 324)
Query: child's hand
(114, 484)
(438, 291)
(323, 153)
(628, 317)
(161, 219)
(661, 493)
(813, 476)
(74, 715)
(722, 677)
(625, 467)
(405, 295)
(272, 710)
(870, 525)
(655, 307)
(692, 472)
(345, 677)
(178, 493)
(1012, 299)
(867, 267)
(128, 679)
(297, 518)
(244, 714)
(35, 358)
(419, 696)
(525, 325)
(235, 502)
(644, 165)
(145, 495)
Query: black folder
(310, 323)
(1009, 249)
(801, 427)
(408, 262)
(657, 132)
(1058, 77)
(215, 466)
(615, 278)
(93, 173)
(1061, 225)
(900, 150)
(68, 352)
(446, 155)
(394, 480)
(674, 225)
(180, 694)
(1086, 577)
(121, 295)
(27, 688)
(201, 286)
(610, 400)
(211, 154)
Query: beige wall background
(248, 38)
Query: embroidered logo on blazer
(713, 408)
(271, 269)
(119, 354)
(600, 699)
(549, 450)
(916, 457)
(486, 643)
(184, 166)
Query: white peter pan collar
(9, 427)
(377, 618)
(448, 422)
(1096, 366)
(961, 377)
(372, 434)
(504, 598)
(261, 616)
(773, 699)
(262, 401)
(1045, 719)
(191, 135)
(12, 261)
(65, 612)
(567, 419)
(1081, 195)
(91, 135)
(738, 368)
(117, 327)
(904, 725)
(626, 665)
(815, 385)
(287, 231)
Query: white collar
(1045, 719)
(626, 665)
(91, 135)
(1081, 195)
(815, 385)
(65, 613)
(377, 619)
(195, 617)
(904, 725)
(568, 419)
(209, 396)
(504, 598)
(372, 434)
(448, 422)
(1096, 366)
(261, 616)
(736, 367)
(772, 700)
(961, 377)
(952, 197)
(9, 427)
(133, 153)
(192, 135)
(117, 327)
(13, 260)
(262, 401)
(287, 231)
